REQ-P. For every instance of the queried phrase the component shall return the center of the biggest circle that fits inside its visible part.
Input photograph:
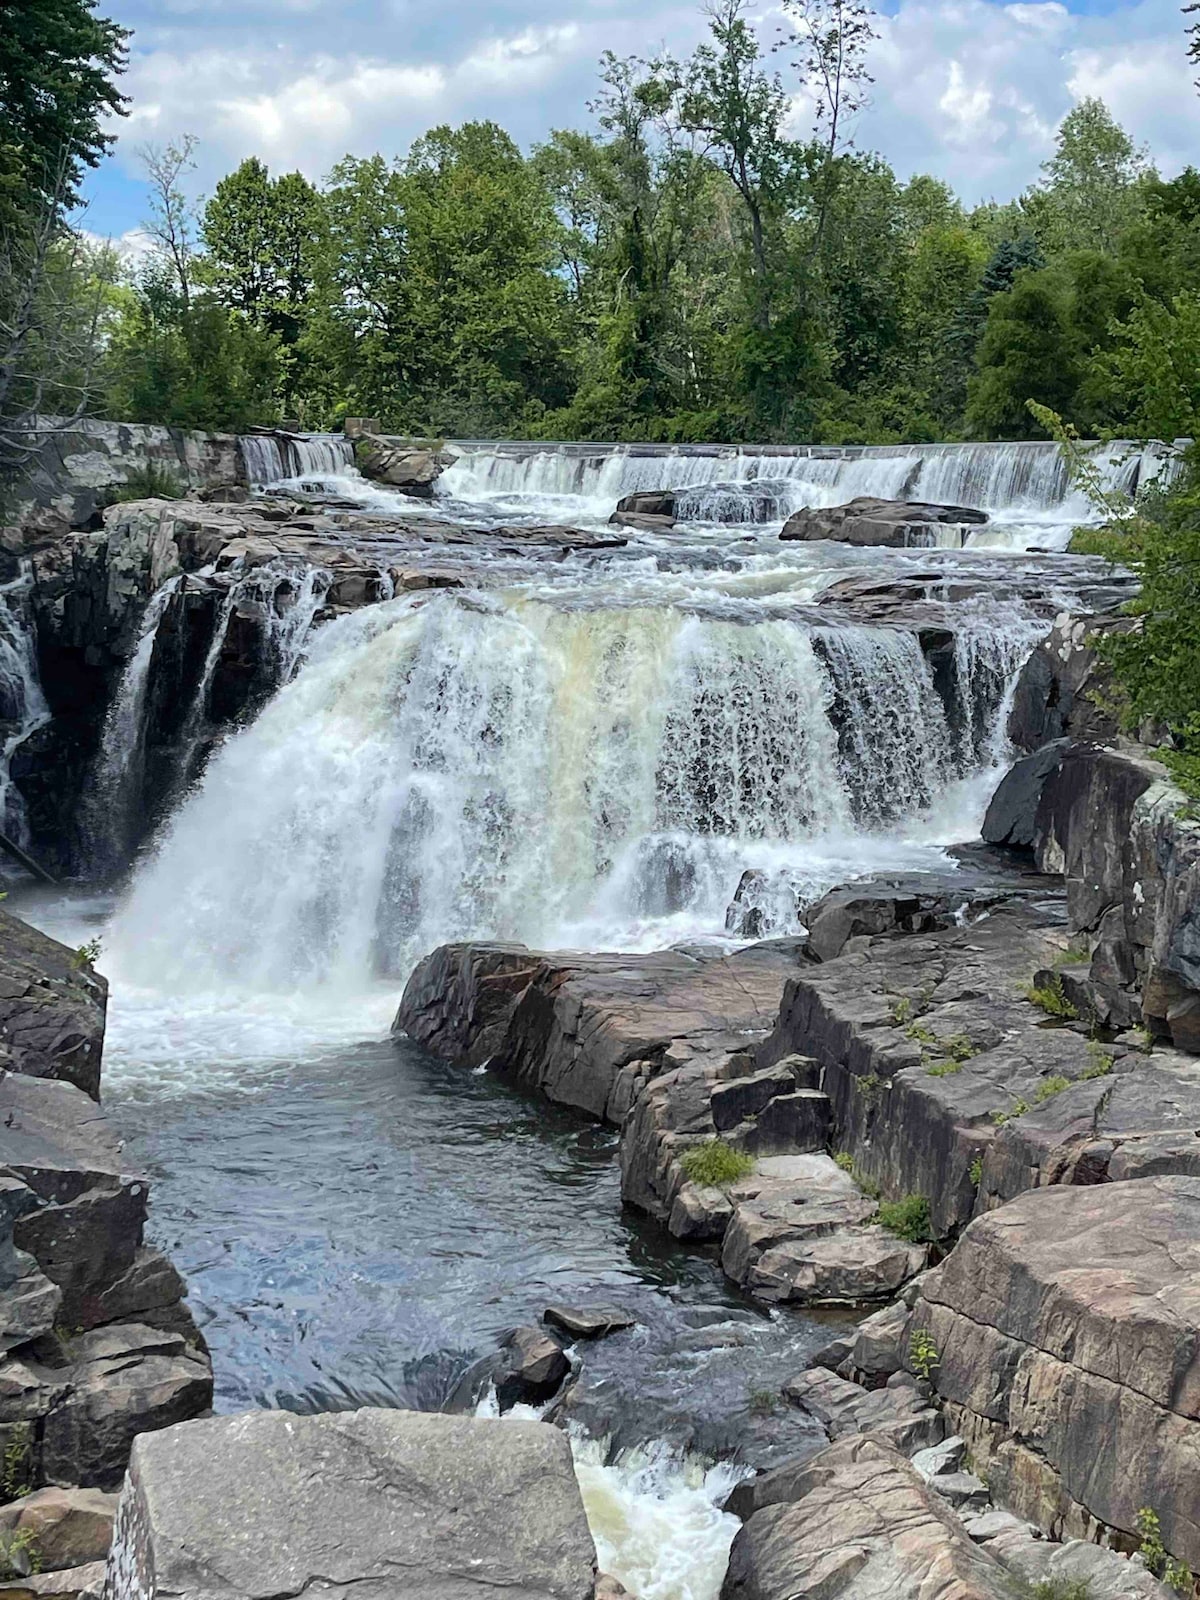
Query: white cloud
(967, 89)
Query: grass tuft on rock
(715, 1164)
(907, 1219)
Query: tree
(58, 62)
(172, 223)
(1026, 353)
(53, 300)
(833, 37)
(739, 108)
(259, 236)
(1092, 189)
(1153, 370)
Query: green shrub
(923, 1354)
(908, 1218)
(844, 1160)
(150, 482)
(976, 1172)
(762, 1402)
(900, 1011)
(715, 1164)
(1173, 1573)
(1050, 998)
(18, 1459)
(1061, 1589)
(1048, 1088)
(942, 1069)
(19, 1554)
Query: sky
(968, 90)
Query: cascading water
(272, 459)
(23, 707)
(451, 767)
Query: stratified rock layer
(1066, 1326)
(869, 521)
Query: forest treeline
(682, 268)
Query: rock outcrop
(96, 1344)
(1111, 822)
(867, 521)
(52, 1005)
(76, 472)
(384, 1505)
(860, 1522)
(404, 464)
(1065, 689)
(1064, 1329)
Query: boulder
(70, 1583)
(1011, 818)
(860, 1524)
(902, 1413)
(52, 1006)
(640, 522)
(67, 1527)
(657, 503)
(589, 1322)
(378, 1505)
(869, 521)
(403, 464)
(1066, 1330)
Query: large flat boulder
(870, 521)
(374, 1505)
(860, 1524)
(1066, 1327)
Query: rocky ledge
(97, 1343)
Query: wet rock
(68, 1527)
(401, 463)
(860, 1523)
(533, 1368)
(589, 1322)
(641, 522)
(386, 1505)
(649, 503)
(849, 914)
(1066, 1334)
(52, 1007)
(869, 521)
(1011, 817)
(609, 1589)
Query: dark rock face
(868, 521)
(383, 1505)
(1011, 818)
(96, 1344)
(52, 1006)
(588, 1322)
(1066, 1331)
(1064, 687)
(649, 503)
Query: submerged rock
(381, 1505)
(589, 1322)
(401, 463)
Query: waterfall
(453, 766)
(23, 707)
(320, 456)
(118, 774)
(743, 484)
(269, 459)
(262, 458)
